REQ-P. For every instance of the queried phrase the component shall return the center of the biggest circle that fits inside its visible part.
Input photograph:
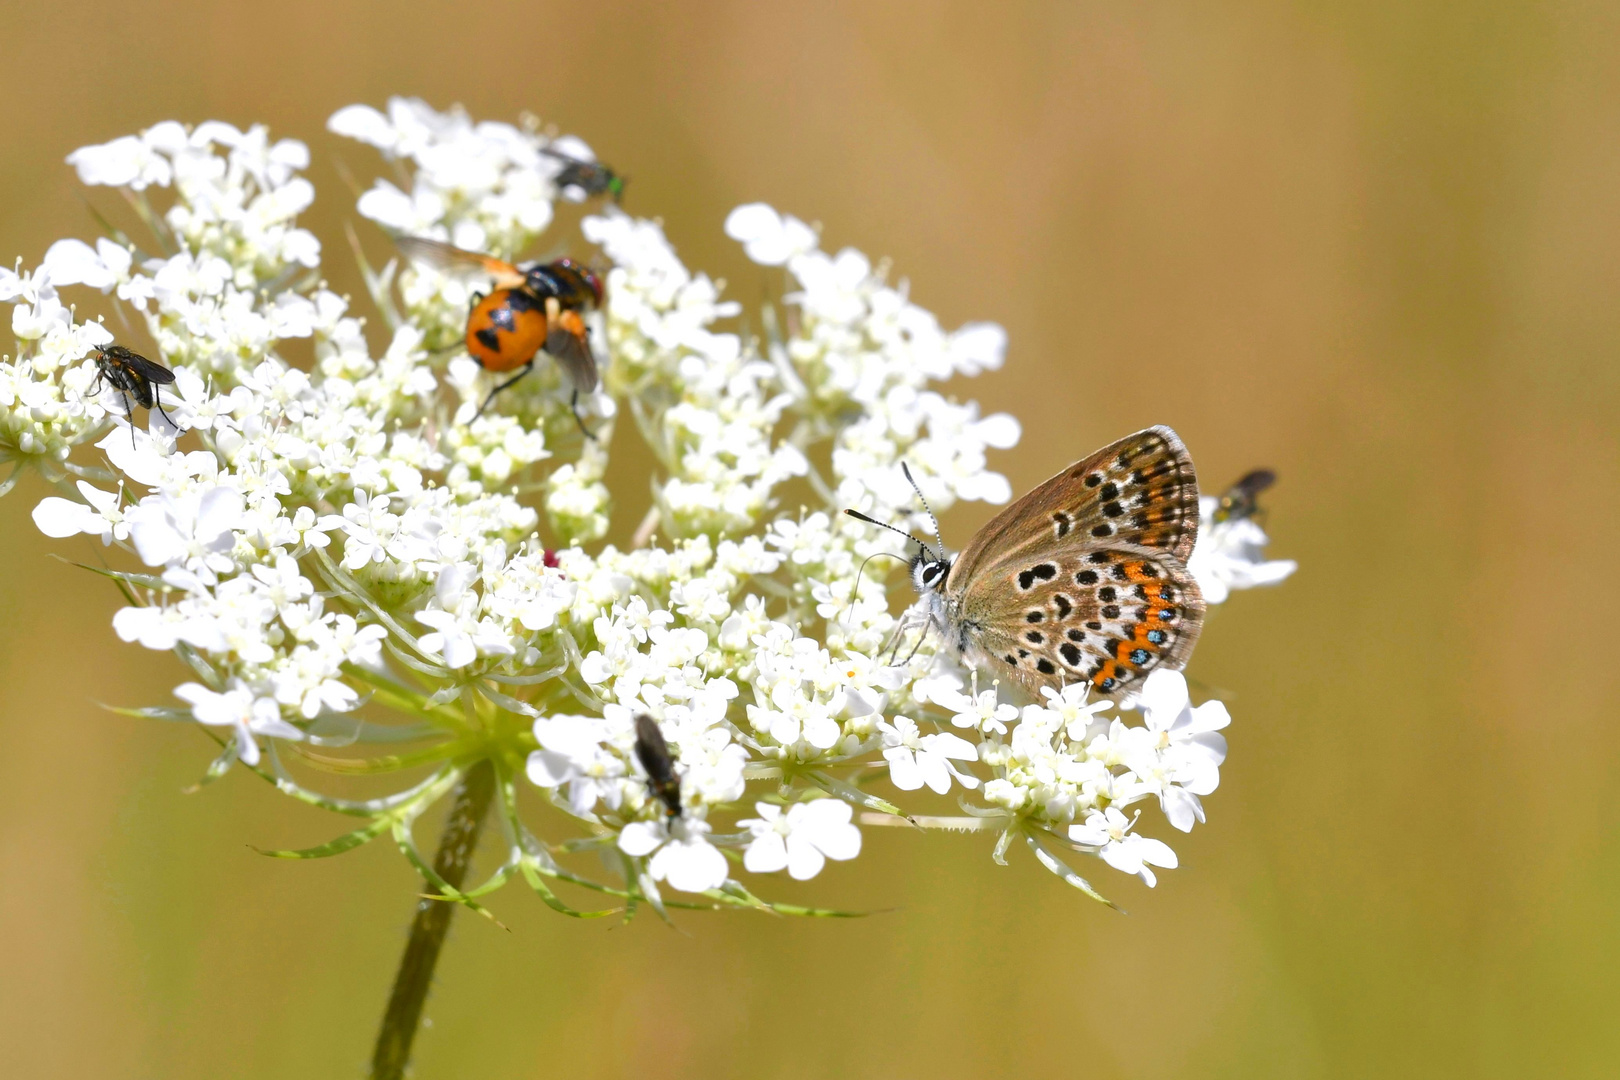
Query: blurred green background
(1373, 245)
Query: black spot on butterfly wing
(1031, 531)
(1113, 634)
(1132, 504)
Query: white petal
(58, 517)
(1156, 852)
(640, 837)
(1094, 833)
(364, 123)
(952, 746)
(978, 346)
(1120, 856)
(219, 513)
(246, 748)
(115, 163)
(822, 732)
(830, 829)
(1181, 808)
(458, 650)
(690, 865)
(1000, 430)
(146, 625)
(751, 221)
(767, 854)
(903, 771)
(594, 669)
(804, 860)
(74, 262)
(1211, 716)
(548, 769)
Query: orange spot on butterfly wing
(1104, 673)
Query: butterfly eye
(929, 573)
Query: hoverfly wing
(454, 260)
(568, 342)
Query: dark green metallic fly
(591, 177)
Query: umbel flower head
(361, 577)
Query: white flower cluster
(1231, 554)
(344, 561)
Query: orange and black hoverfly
(653, 753)
(532, 307)
(591, 177)
(133, 376)
(1241, 499)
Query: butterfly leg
(911, 620)
(928, 624)
(892, 646)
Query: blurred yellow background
(1373, 245)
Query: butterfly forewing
(1084, 578)
(1139, 490)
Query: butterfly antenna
(855, 593)
(905, 469)
(857, 515)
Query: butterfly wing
(1085, 577)
(1104, 615)
(451, 259)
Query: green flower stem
(432, 922)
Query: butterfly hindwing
(1106, 615)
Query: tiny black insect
(132, 375)
(591, 177)
(653, 753)
(1240, 500)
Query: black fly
(1240, 499)
(591, 177)
(132, 375)
(653, 753)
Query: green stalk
(432, 922)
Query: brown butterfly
(1084, 578)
